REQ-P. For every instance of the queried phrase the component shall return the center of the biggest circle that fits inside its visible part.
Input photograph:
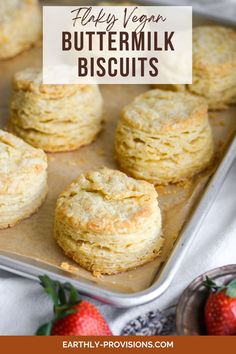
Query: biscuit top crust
(108, 201)
(20, 163)
(214, 50)
(30, 80)
(9, 8)
(158, 110)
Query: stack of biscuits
(20, 26)
(164, 137)
(105, 220)
(108, 222)
(23, 184)
(54, 117)
(214, 66)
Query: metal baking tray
(26, 267)
(31, 269)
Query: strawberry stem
(64, 297)
(230, 289)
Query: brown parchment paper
(33, 238)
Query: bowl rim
(194, 285)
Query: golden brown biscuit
(54, 117)
(108, 222)
(164, 137)
(214, 66)
(23, 182)
(20, 26)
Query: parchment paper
(33, 238)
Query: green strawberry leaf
(210, 284)
(231, 289)
(61, 294)
(44, 330)
(64, 313)
(64, 297)
(50, 287)
(73, 294)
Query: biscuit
(23, 184)
(214, 67)
(20, 26)
(164, 137)
(108, 222)
(54, 117)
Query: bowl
(190, 308)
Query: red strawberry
(72, 316)
(220, 309)
(86, 321)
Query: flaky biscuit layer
(23, 182)
(108, 222)
(214, 51)
(164, 137)
(54, 117)
(214, 67)
(20, 26)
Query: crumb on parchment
(97, 274)
(72, 269)
(68, 267)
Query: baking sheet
(33, 238)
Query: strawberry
(72, 316)
(86, 321)
(220, 309)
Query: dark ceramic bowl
(190, 309)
